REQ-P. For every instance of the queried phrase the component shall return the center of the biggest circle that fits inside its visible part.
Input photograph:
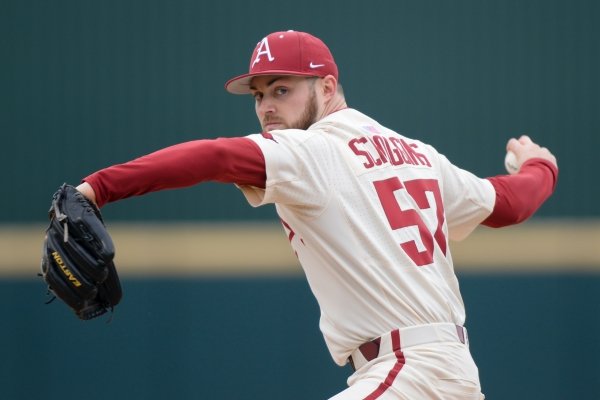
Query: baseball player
(369, 213)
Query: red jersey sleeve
(228, 160)
(519, 196)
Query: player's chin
(272, 127)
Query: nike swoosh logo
(316, 65)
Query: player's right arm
(500, 200)
(227, 160)
(519, 196)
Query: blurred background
(215, 305)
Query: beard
(309, 115)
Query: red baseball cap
(286, 53)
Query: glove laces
(62, 218)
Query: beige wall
(262, 248)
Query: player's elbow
(507, 215)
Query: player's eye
(258, 96)
(280, 91)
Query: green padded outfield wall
(86, 84)
(533, 338)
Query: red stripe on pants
(389, 380)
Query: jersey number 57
(399, 218)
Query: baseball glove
(77, 260)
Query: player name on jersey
(376, 150)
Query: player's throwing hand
(524, 149)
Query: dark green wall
(533, 338)
(86, 84)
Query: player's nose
(265, 106)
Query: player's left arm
(228, 160)
(519, 195)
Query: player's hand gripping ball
(510, 163)
(78, 252)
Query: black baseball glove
(78, 252)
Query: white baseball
(510, 163)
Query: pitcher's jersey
(369, 213)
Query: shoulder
(283, 137)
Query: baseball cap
(286, 53)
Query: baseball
(510, 163)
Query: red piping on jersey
(289, 228)
(268, 135)
(400, 361)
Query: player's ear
(329, 86)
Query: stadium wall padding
(533, 337)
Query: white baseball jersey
(369, 213)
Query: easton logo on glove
(65, 270)
(77, 258)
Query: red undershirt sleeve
(228, 160)
(519, 196)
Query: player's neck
(337, 103)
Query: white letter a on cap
(263, 48)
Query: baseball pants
(416, 363)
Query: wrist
(87, 190)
